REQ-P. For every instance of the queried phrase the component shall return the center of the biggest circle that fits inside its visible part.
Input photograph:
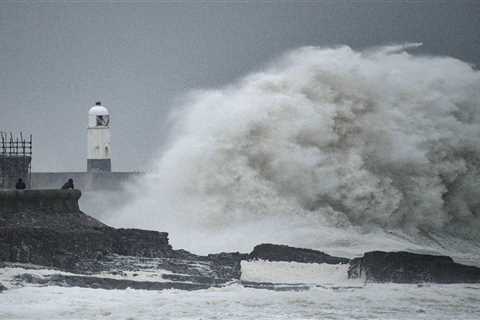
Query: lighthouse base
(99, 165)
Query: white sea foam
(324, 148)
(376, 301)
(295, 272)
(340, 300)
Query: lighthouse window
(103, 120)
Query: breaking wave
(324, 147)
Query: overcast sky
(58, 58)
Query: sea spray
(325, 147)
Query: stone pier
(46, 227)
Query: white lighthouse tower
(98, 154)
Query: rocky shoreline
(46, 228)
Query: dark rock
(184, 254)
(108, 283)
(141, 243)
(64, 249)
(53, 209)
(2, 287)
(227, 264)
(274, 252)
(219, 268)
(406, 267)
(199, 269)
(30, 278)
(276, 286)
(194, 279)
(46, 227)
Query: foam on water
(330, 295)
(327, 148)
(235, 302)
(296, 273)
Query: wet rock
(406, 267)
(194, 279)
(66, 249)
(2, 287)
(30, 278)
(52, 209)
(199, 269)
(274, 252)
(46, 227)
(276, 286)
(109, 284)
(141, 243)
(227, 264)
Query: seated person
(20, 184)
(68, 184)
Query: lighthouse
(98, 154)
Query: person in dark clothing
(20, 184)
(68, 184)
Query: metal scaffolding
(15, 159)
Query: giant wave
(325, 148)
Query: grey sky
(57, 59)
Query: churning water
(328, 148)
